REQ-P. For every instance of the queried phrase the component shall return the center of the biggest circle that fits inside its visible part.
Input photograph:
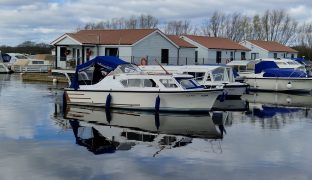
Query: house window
(165, 56)
(243, 55)
(111, 52)
(196, 57)
(275, 55)
(284, 55)
(253, 56)
(232, 55)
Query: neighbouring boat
(127, 87)
(31, 65)
(3, 68)
(267, 76)
(211, 76)
(103, 131)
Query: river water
(262, 136)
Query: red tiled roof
(180, 42)
(272, 46)
(217, 43)
(111, 37)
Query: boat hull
(201, 100)
(280, 84)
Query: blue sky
(45, 20)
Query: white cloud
(46, 20)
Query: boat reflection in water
(106, 132)
(230, 105)
(275, 110)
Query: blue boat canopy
(259, 67)
(277, 72)
(109, 63)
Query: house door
(243, 56)
(196, 57)
(63, 53)
(218, 58)
(165, 56)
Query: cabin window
(37, 62)
(188, 83)
(138, 83)
(197, 75)
(218, 75)
(168, 83)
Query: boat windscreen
(127, 68)
(220, 75)
(188, 83)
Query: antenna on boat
(161, 66)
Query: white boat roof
(184, 67)
(239, 63)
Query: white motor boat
(286, 64)
(3, 68)
(31, 65)
(128, 87)
(211, 76)
(267, 76)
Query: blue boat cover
(278, 72)
(259, 67)
(300, 60)
(108, 62)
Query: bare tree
(178, 27)
(214, 26)
(147, 21)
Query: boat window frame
(169, 79)
(141, 82)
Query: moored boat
(210, 76)
(267, 76)
(127, 87)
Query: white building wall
(202, 51)
(187, 56)
(151, 47)
(125, 53)
(261, 53)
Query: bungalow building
(131, 45)
(212, 50)
(268, 49)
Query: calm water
(267, 138)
